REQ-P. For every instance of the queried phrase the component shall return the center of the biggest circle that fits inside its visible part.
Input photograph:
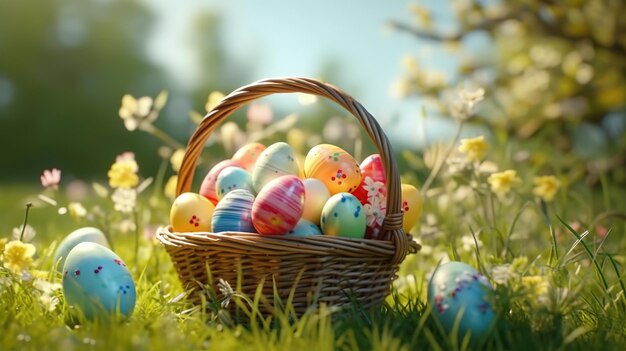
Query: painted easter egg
(315, 196)
(97, 282)
(191, 213)
(207, 188)
(372, 193)
(336, 168)
(231, 178)
(275, 161)
(305, 227)
(86, 234)
(234, 212)
(278, 206)
(248, 154)
(456, 287)
(375, 211)
(411, 206)
(343, 215)
(373, 181)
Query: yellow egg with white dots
(191, 213)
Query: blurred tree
(64, 65)
(557, 73)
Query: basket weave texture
(333, 270)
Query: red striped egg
(278, 206)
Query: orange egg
(248, 154)
(336, 168)
(411, 206)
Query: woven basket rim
(278, 245)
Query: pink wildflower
(50, 178)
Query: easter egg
(234, 212)
(315, 196)
(343, 215)
(456, 287)
(278, 206)
(231, 178)
(191, 213)
(375, 211)
(86, 234)
(305, 227)
(373, 181)
(334, 167)
(207, 188)
(97, 282)
(275, 161)
(411, 206)
(372, 193)
(248, 154)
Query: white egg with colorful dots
(456, 288)
(97, 282)
(275, 161)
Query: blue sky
(296, 38)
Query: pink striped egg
(278, 206)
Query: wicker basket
(333, 270)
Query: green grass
(583, 308)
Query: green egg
(343, 215)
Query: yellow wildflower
(123, 173)
(177, 159)
(546, 187)
(18, 255)
(213, 99)
(501, 182)
(170, 187)
(137, 113)
(537, 287)
(76, 210)
(3, 243)
(475, 148)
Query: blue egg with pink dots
(97, 282)
(458, 289)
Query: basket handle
(392, 226)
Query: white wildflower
(124, 199)
(29, 233)
(501, 274)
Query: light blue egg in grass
(86, 234)
(97, 282)
(458, 291)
